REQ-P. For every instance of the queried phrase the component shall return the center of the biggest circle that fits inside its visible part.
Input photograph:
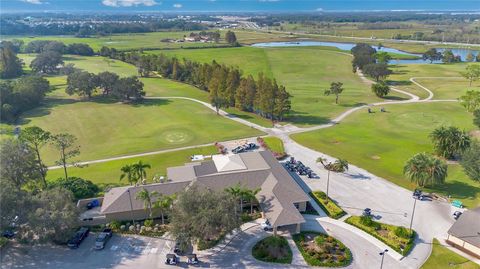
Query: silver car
(102, 238)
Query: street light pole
(328, 182)
(413, 213)
(131, 207)
(383, 256)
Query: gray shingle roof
(467, 227)
(279, 192)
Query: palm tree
(128, 171)
(139, 170)
(147, 198)
(237, 192)
(251, 195)
(425, 169)
(450, 141)
(338, 166)
(164, 203)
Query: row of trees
(86, 84)
(373, 64)
(39, 46)
(20, 95)
(447, 56)
(226, 85)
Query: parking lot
(120, 252)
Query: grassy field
(445, 80)
(442, 257)
(306, 80)
(382, 142)
(109, 172)
(274, 143)
(108, 129)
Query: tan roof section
(278, 190)
(467, 227)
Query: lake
(348, 46)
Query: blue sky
(235, 5)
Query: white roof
(226, 163)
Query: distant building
(465, 233)
(281, 198)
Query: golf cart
(367, 212)
(192, 259)
(266, 226)
(417, 194)
(456, 215)
(172, 259)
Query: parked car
(266, 226)
(457, 214)
(77, 239)
(93, 204)
(102, 238)
(172, 259)
(8, 234)
(192, 259)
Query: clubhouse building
(465, 233)
(280, 198)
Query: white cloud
(127, 3)
(319, 9)
(35, 2)
(177, 5)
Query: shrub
(148, 223)
(114, 225)
(3, 241)
(402, 232)
(80, 187)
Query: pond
(462, 52)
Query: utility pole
(328, 182)
(383, 256)
(413, 213)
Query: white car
(266, 226)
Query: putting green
(382, 142)
(108, 129)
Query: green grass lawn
(382, 142)
(305, 79)
(107, 129)
(442, 257)
(447, 86)
(274, 143)
(109, 172)
(273, 249)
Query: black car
(77, 239)
(8, 234)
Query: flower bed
(145, 228)
(274, 144)
(322, 250)
(327, 205)
(273, 249)
(397, 237)
(220, 148)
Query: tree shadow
(457, 189)
(399, 82)
(394, 98)
(150, 102)
(298, 117)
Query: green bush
(327, 205)
(273, 249)
(402, 232)
(148, 223)
(80, 187)
(115, 225)
(3, 241)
